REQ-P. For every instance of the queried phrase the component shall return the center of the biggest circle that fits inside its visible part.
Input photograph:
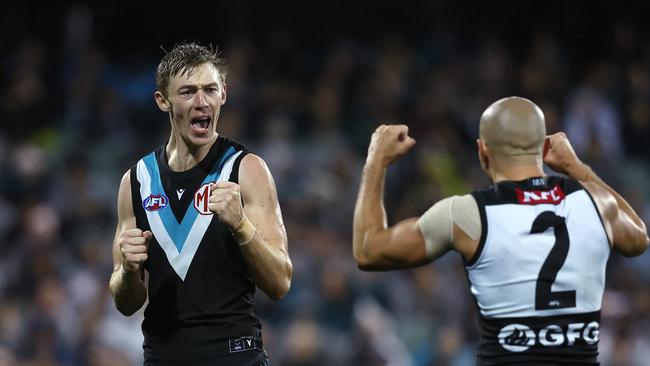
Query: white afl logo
(202, 198)
(516, 337)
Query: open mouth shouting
(200, 125)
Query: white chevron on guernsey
(180, 261)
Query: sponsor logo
(516, 337)
(534, 197)
(155, 202)
(202, 199)
(179, 193)
(519, 337)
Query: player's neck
(517, 172)
(182, 157)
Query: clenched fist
(558, 153)
(389, 142)
(225, 202)
(133, 246)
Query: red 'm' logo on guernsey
(553, 195)
(202, 198)
(155, 202)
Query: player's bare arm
(625, 228)
(129, 252)
(376, 246)
(257, 226)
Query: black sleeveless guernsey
(200, 294)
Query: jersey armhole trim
(598, 213)
(135, 192)
(479, 250)
(235, 169)
(137, 200)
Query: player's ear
(162, 102)
(483, 155)
(547, 144)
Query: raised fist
(389, 142)
(225, 202)
(133, 246)
(558, 153)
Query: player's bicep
(261, 200)
(628, 238)
(125, 216)
(400, 246)
(623, 233)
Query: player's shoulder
(603, 199)
(124, 191)
(126, 178)
(252, 165)
(463, 199)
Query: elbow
(126, 312)
(279, 292)
(370, 267)
(282, 287)
(358, 252)
(643, 241)
(367, 265)
(358, 258)
(362, 262)
(125, 309)
(643, 244)
(639, 247)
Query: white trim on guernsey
(180, 261)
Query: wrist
(127, 274)
(244, 232)
(375, 162)
(579, 170)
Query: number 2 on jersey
(546, 299)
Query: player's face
(195, 101)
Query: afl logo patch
(155, 202)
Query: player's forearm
(269, 265)
(369, 212)
(583, 172)
(128, 290)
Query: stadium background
(308, 83)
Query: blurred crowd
(73, 119)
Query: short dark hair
(185, 58)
